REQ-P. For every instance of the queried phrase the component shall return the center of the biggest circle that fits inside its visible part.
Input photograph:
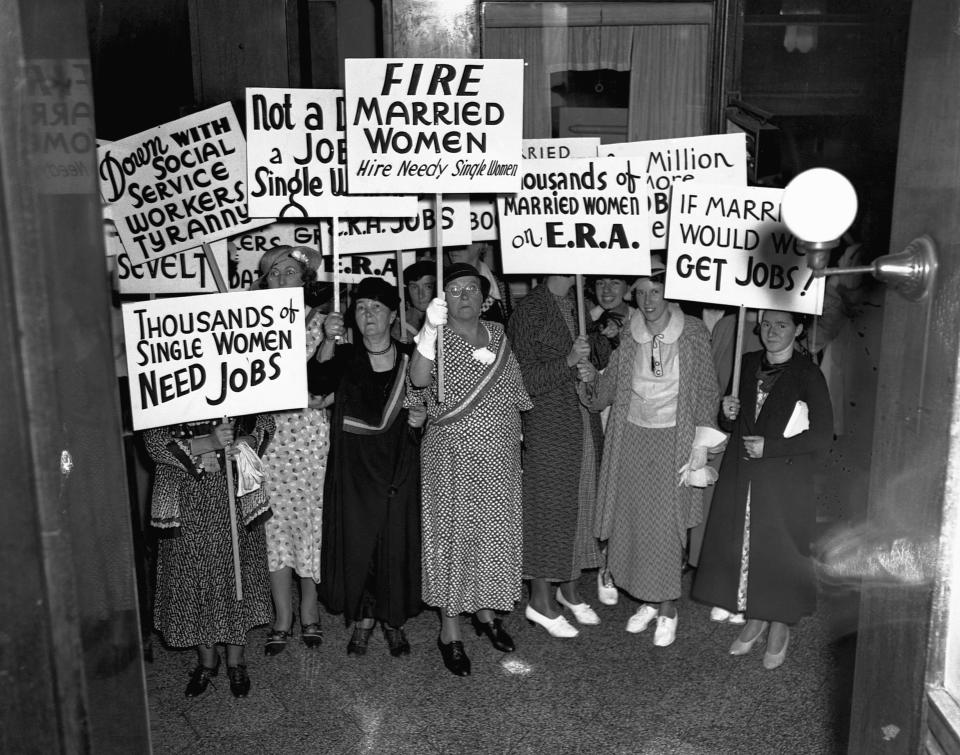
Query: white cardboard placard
(184, 273)
(560, 149)
(297, 157)
(483, 219)
(201, 357)
(581, 215)
(729, 246)
(431, 126)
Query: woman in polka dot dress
(471, 514)
(294, 468)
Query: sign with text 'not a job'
(575, 216)
(729, 245)
(247, 248)
(664, 163)
(200, 357)
(433, 125)
(297, 158)
(177, 185)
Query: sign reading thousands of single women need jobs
(433, 126)
(201, 357)
(580, 215)
(297, 157)
(178, 184)
(729, 245)
(665, 163)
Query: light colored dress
(294, 468)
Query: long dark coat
(553, 438)
(371, 495)
(780, 584)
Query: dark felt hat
(419, 269)
(465, 270)
(378, 290)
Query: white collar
(671, 333)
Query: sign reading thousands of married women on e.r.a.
(199, 357)
(433, 126)
(297, 159)
(177, 185)
(664, 163)
(729, 245)
(575, 216)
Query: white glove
(426, 339)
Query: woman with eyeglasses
(756, 550)
(294, 468)
(470, 461)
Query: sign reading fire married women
(433, 126)
(200, 357)
(177, 185)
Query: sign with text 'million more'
(665, 163)
(177, 185)
(730, 246)
(201, 357)
(297, 158)
(433, 126)
(586, 215)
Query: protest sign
(433, 126)
(716, 159)
(483, 219)
(560, 149)
(365, 235)
(246, 250)
(58, 100)
(297, 157)
(201, 357)
(184, 273)
(177, 185)
(729, 245)
(575, 216)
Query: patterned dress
(471, 510)
(195, 601)
(294, 467)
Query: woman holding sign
(756, 550)
(371, 517)
(662, 387)
(294, 469)
(196, 603)
(496, 305)
(472, 540)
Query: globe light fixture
(818, 207)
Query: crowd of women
(448, 460)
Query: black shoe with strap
(239, 681)
(495, 633)
(200, 679)
(396, 641)
(359, 641)
(454, 657)
(277, 641)
(312, 634)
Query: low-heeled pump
(495, 633)
(775, 660)
(742, 647)
(454, 657)
(558, 627)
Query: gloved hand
(426, 339)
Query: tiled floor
(605, 691)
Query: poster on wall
(246, 249)
(582, 215)
(172, 187)
(297, 156)
(730, 246)
(201, 357)
(664, 163)
(184, 273)
(432, 126)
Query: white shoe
(641, 619)
(666, 631)
(737, 618)
(607, 592)
(581, 611)
(723, 615)
(558, 627)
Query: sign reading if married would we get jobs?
(200, 357)
(433, 126)
(175, 186)
(730, 246)
(297, 157)
(575, 216)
